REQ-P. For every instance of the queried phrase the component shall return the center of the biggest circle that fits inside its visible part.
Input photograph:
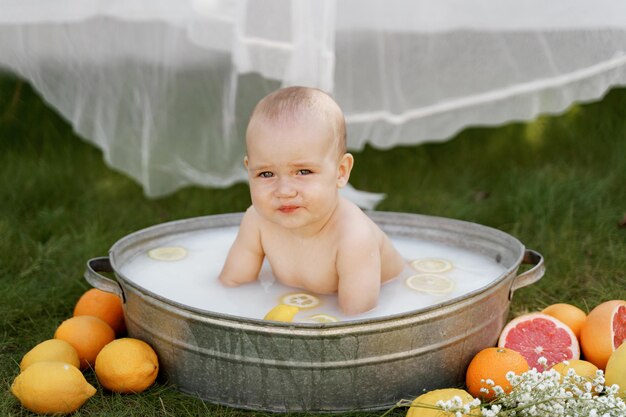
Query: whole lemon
(52, 387)
(423, 405)
(583, 368)
(616, 370)
(127, 365)
(282, 312)
(51, 350)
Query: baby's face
(294, 172)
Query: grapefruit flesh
(539, 335)
(619, 327)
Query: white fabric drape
(165, 87)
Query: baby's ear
(245, 161)
(343, 171)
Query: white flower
(545, 394)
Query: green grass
(557, 184)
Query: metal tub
(354, 365)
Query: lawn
(557, 183)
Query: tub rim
(358, 325)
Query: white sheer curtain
(164, 87)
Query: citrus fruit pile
(560, 334)
(564, 332)
(51, 379)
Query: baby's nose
(285, 188)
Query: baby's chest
(312, 267)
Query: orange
(103, 305)
(603, 332)
(493, 363)
(88, 335)
(571, 315)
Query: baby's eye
(304, 172)
(266, 174)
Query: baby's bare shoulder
(355, 224)
(250, 221)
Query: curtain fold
(165, 88)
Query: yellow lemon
(127, 365)
(282, 312)
(616, 370)
(52, 387)
(300, 300)
(425, 404)
(168, 253)
(583, 368)
(51, 350)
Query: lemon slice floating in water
(300, 300)
(320, 318)
(432, 265)
(430, 284)
(168, 253)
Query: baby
(312, 237)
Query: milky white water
(192, 281)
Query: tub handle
(102, 264)
(531, 276)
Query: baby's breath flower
(548, 394)
(544, 394)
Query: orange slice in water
(430, 284)
(301, 300)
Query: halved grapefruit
(537, 335)
(603, 332)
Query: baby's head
(296, 156)
(291, 106)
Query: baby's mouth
(288, 209)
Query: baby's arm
(359, 269)
(245, 257)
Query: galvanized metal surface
(354, 365)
